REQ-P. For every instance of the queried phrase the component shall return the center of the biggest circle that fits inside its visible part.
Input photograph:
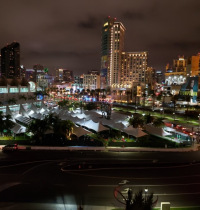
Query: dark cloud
(68, 33)
(133, 15)
(90, 23)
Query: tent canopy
(156, 130)
(136, 132)
(98, 127)
(79, 131)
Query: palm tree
(140, 202)
(136, 121)
(164, 94)
(148, 118)
(1, 123)
(22, 97)
(97, 91)
(8, 124)
(144, 95)
(153, 96)
(5, 123)
(135, 97)
(158, 122)
(39, 127)
(12, 101)
(92, 92)
(128, 93)
(120, 93)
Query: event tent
(79, 131)
(136, 132)
(98, 127)
(156, 130)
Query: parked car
(10, 147)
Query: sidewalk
(195, 147)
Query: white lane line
(19, 164)
(156, 185)
(8, 185)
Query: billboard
(190, 88)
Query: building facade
(120, 69)
(10, 61)
(91, 81)
(176, 75)
(64, 75)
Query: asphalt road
(65, 180)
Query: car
(10, 147)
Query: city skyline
(68, 35)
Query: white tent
(8, 111)
(156, 130)
(136, 132)
(79, 131)
(119, 126)
(98, 127)
(81, 116)
(22, 111)
(18, 129)
(34, 108)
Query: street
(65, 180)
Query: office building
(120, 69)
(176, 75)
(10, 61)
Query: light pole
(161, 111)
(174, 115)
(145, 193)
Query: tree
(12, 101)
(158, 122)
(120, 93)
(5, 123)
(23, 97)
(128, 93)
(153, 96)
(136, 121)
(140, 202)
(38, 128)
(97, 91)
(148, 118)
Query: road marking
(8, 185)
(124, 181)
(131, 185)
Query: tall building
(10, 60)
(133, 68)
(176, 75)
(112, 45)
(91, 81)
(119, 69)
(64, 75)
(195, 65)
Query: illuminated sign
(190, 88)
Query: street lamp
(145, 193)
(161, 111)
(174, 115)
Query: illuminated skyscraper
(120, 69)
(10, 60)
(112, 47)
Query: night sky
(67, 33)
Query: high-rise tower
(112, 46)
(10, 60)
